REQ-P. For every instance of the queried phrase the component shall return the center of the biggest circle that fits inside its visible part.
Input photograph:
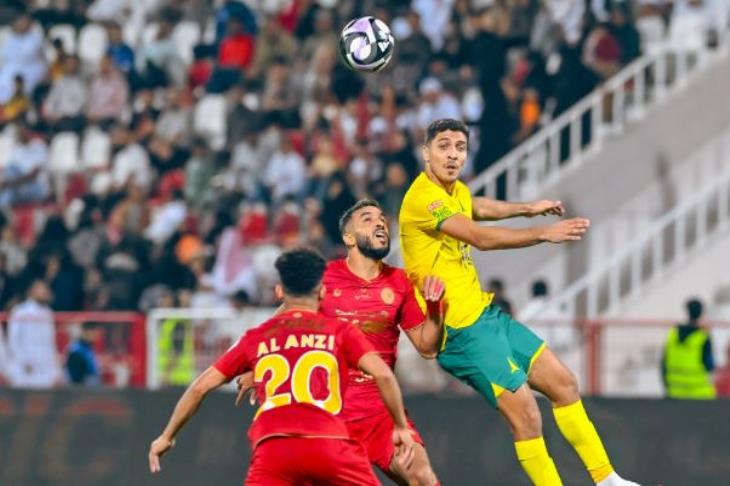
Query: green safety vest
(184, 370)
(686, 373)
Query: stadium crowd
(167, 151)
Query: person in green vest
(175, 348)
(687, 364)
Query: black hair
(694, 309)
(443, 125)
(496, 284)
(539, 288)
(347, 215)
(300, 271)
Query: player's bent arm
(427, 337)
(490, 237)
(485, 209)
(498, 238)
(191, 399)
(373, 365)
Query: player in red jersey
(300, 360)
(378, 298)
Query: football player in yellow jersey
(496, 355)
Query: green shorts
(492, 355)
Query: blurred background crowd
(164, 153)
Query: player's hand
(405, 450)
(159, 447)
(433, 288)
(244, 383)
(566, 230)
(546, 207)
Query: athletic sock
(537, 463)
(578, 429)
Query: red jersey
(300, 361)
(378, 307)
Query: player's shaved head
(347, 215)
(444, 125)
(300, 271)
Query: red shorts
(376, 436)
(309, 461)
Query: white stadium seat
(92, 44)
(95, 148)
(210, 119)
(64, 153)
(67, 34)
(186, 35)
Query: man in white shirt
(25, 177)
(131, 161)
(286, 173)
(34, 360)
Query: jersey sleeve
(354, 345)
(410, 314)
(235, 361)
(429, 209)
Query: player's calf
(417, 473)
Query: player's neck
(362, 266)
(300, 304)
(446, 186)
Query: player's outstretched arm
(186, 407)
(427, 337)
(485, 209)
(497, 238)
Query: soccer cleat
(615, 480)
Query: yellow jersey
(428, 251)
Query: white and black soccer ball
(366, 45)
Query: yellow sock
(578, 429)
(537, 463)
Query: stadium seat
(67, 34)
(653, 32)
(92, 44)
(95, 149)
(210, 119)
(64, 153)
(186, 35)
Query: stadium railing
(570, 138)
(119, 343)
(662, 246)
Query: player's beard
(365, 245)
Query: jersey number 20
(300, 380)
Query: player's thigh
(552, 378)
(481, 356)
(525, 346)
(420, 472)
(343, 463)
(520, 410)
(266, 466)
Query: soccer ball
(366, 45)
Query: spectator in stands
(64, 107)
(158, 63)
(436, 103)
(272, 43)
(32, 341)
(602, 52)
(3, 359)
(7, 286)
(66, 281)
(236, 50)
(722, 377)
(18, 105)
(623, 29)
(108, 95)
(286, 173)
(12, 250)
(25, 178)
(131, 161)
(118, 51)
(687, 364)
(174, 125)
(82, 366)
(22, 54)
(496, 286)
(199, 172)
(168, 217)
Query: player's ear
(279, 291)
(348, 239)
(322, 292)
(424, 153)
